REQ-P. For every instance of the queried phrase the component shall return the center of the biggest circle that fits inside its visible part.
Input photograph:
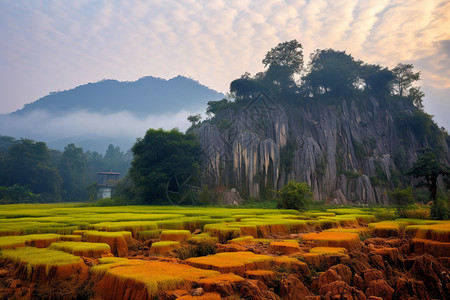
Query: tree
(215, 106)
(204, 197)
(377, 79)
(194, 119)
(333, 72)
(294, 195)
(283, 61)
(245, 87)
(403, 200)
(416, 96)
(440, 210)
(404, 77)
(159, 156)
(288, 55)
(430, 168)
(28, 164)
(73, 170)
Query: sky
(52, 45)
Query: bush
(294, 195)
(403, 200)
(384, 215)
(440, 209)
(421, 212)
(204, 197)
(202, 248)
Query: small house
(106, 183)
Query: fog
(92, 131)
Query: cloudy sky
(52, 45)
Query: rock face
(348, 152)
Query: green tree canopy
(294, 195)
(29, 164)
(377, 79)
(283, 61)
(73, 170)
(404, 77)
(194, 119)
(430, 168)
(403, 200)
(331, 71)
(159, 156)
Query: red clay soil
(378, 268)
(285, 248)
(118, 245)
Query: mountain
(95, 115)
(348, 151)
(146, 96)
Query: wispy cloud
(59, 44)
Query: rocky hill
(148, 95)
(348, 151)
(97, 114)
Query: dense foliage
(329, 76)
(403, 200)
(294, 195)
(31, 173)
(428, 167)
(158, 157)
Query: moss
(82, 248)
(34, 257)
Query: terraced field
(143, 252)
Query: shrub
(294, 195)
(204, 197)
(384, 215)
(440, 209)
(421, 212)
(403, 200)
(202, 248)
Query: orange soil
(269, 230)
(42, 273)
(174, 236)
(206, 296)
(285, 248)
(71, 238)
(263, 275)
(164, 249)
(386, 231)
(437, 232)
(42, 243)
(435, 248)
(347, 240)
(146, 279)
(118, 244)
(320, 260)
(231, 262)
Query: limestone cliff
(351, 151)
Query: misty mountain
(146, 96)
(95, 115)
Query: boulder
(372, 274)
(337, 272)
(409, 289)
(340, 290)
(292, 288)
(380, 288)
(436, 278)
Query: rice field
(58, 237)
